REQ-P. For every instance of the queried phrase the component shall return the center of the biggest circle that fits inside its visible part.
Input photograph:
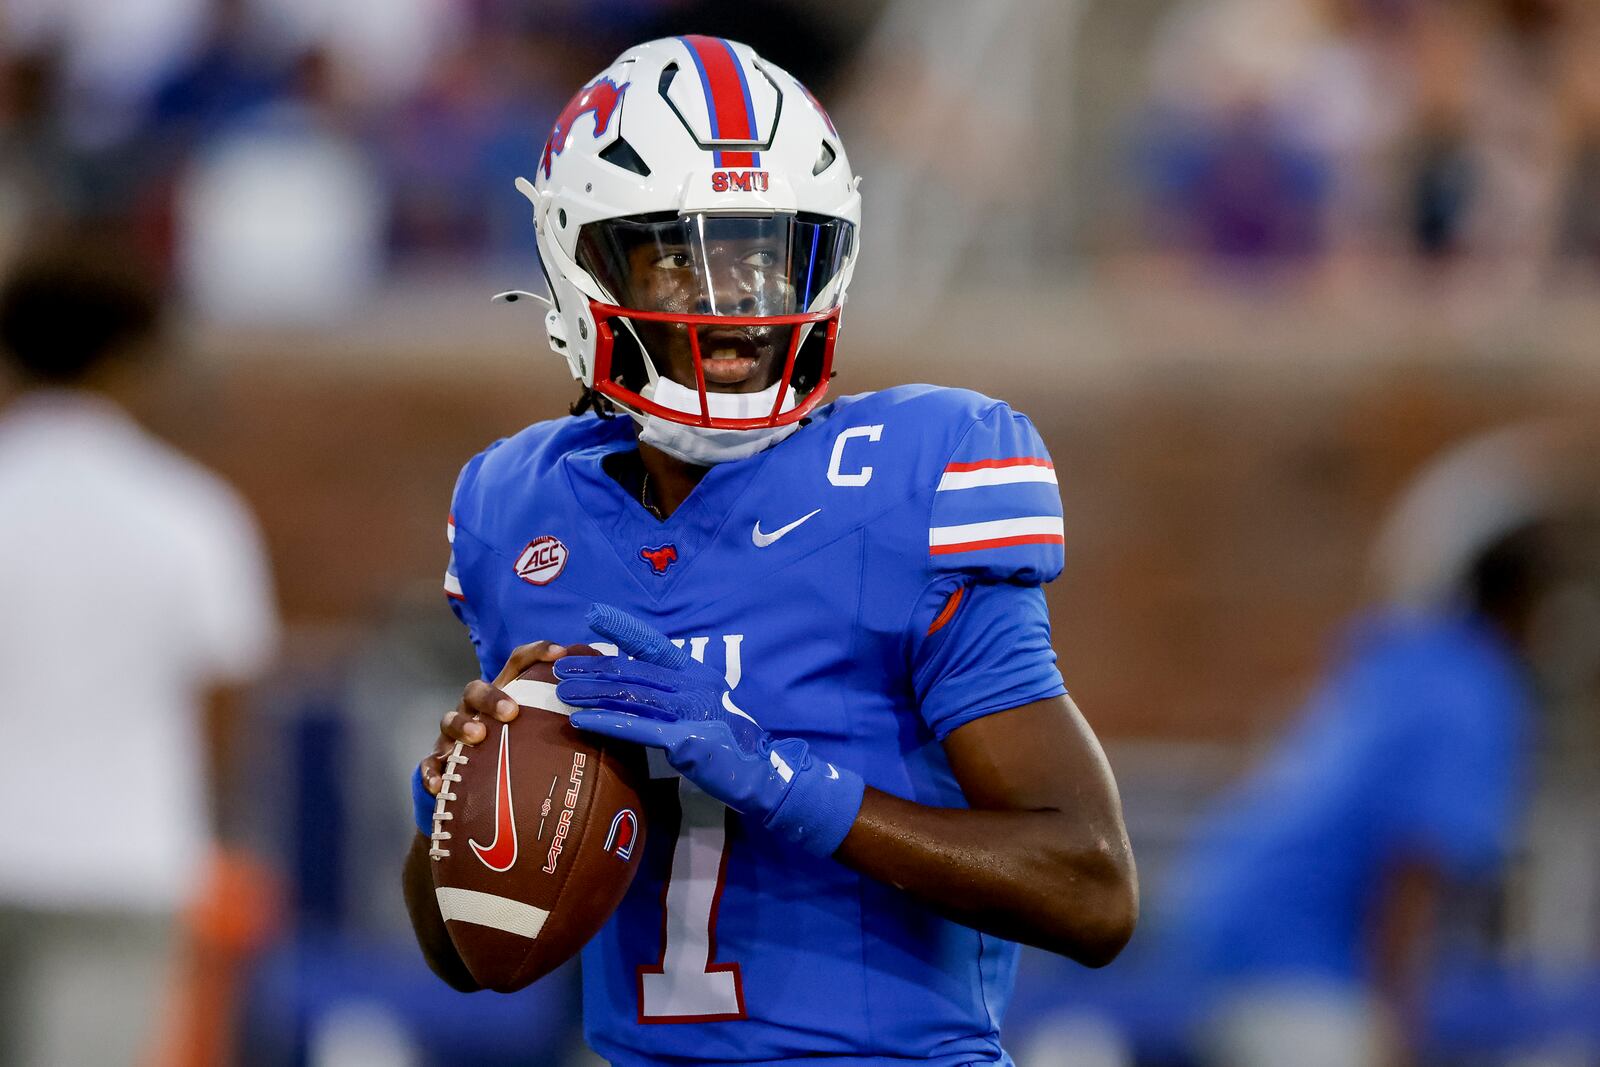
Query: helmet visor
(728, 265)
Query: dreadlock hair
(590, 400)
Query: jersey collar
(621, 521)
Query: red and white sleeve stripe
(452, 584)
(997, 472)
(999, 533)
(1019, 488)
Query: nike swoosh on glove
(663, 698)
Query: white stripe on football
(486, 909)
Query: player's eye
(672, 261)
(761, 259)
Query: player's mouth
(728, 357)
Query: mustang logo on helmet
(602, 99)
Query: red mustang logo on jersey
(602, 98)
(660, 558)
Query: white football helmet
(697, 222)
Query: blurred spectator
(234, 69)
(281, 219)
(1437, 127)
(384, 47)
(32, 157)
(1313, 897)
(1580, 224)
(1443, 182)
(137, 598)
(1261, 116)
(1243, 189)
(476, 123)
(113, 57)
(1580, 209)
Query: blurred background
(1264, 272)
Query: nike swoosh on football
(762, 540)
(502, 852)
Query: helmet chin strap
(703, 446)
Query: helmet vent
(620, 153)
(825, 159)
(667, 74)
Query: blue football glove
(664, 699)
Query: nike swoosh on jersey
(762, 540)
(501, 854)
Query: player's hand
(481, 701)
(664, 699)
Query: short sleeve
(981, 648)
(452, 570)
(235, 613)
(996, 513)
(461, 590)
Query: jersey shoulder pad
(521, 461)
(976, 470)
(995, 510)
(917, 425)
(936, 407)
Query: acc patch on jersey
(542, 561)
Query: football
(545, 830)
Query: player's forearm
(1403, 925)
(432, 936)
(1038, 877)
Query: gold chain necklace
(644, 498)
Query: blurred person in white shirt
(135, 598)
(281, 218)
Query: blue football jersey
(869, 585)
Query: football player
(826, 622)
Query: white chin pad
(700, 445)
(669, 394)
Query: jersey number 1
(686, 986)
